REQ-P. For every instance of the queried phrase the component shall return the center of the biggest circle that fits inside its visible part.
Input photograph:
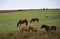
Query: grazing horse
(34, 29)
(49, 28)
(25, 29)
(34, 19)
(22, 22)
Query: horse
(25, 29)
(49, 28)
(22, 22)
(34, 29)
(34, 19)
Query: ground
(8, 21)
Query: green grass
(8, 21)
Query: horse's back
(25, 29)
(33, 28)
(53, 27)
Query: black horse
(34, 19)
(22, 22)
(49, 28)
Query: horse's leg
(54, 34)
(49, 34)
(28, 34)
(26, 23)
(21, 33)
(35, 34)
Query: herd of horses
(26, 21)
(33, 28)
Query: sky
(28, 4)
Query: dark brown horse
(28, 28)
(49, 28)
(22, 22)
(34, 19)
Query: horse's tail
(26, 23)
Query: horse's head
(18, 24)
(43, 26)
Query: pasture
(8, 21)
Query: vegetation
(8, 21)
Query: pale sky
(23, 4)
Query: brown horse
(34, 29)
(25, 29)
(49, 28)
(34, 19)
(22, 22)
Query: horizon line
(28, 8)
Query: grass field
(8, 21)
